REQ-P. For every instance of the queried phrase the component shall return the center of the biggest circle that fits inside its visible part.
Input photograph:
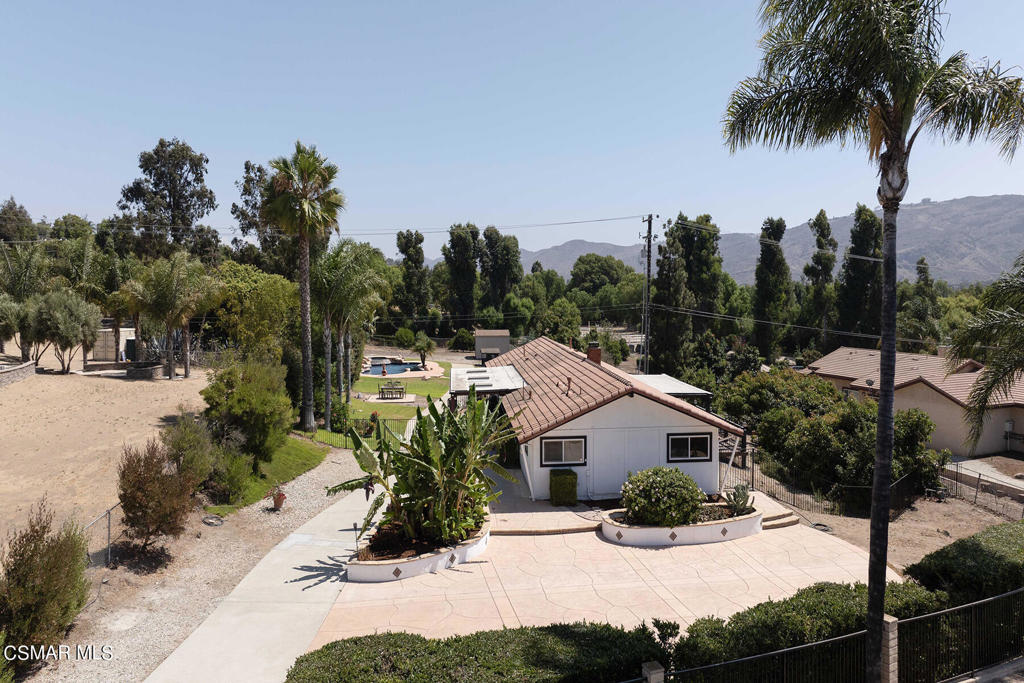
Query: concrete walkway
(542, 579)
(271, 616)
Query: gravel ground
(144, 617)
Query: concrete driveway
(536, 580)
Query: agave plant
(739, 500)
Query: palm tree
(24, 272)
(365, 289)
(118, 272)
(868, 73)
(424, 346)
(325, 290)
(300, 199)
(171, 291)
(998, 330)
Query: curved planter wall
(9, 374)
(376, 571)
(616, 531)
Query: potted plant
(277, 494)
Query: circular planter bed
(615, 529)
(144, 370)
(376, 571)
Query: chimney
(594, 352)
(942, 351)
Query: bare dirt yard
(927, 526)
(62, 435)
(1010, 464)
(143, 613)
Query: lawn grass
(363, 409)
(295, 457)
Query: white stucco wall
(626, 435)
(950, 428)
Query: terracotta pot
(279, 499)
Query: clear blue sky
(505, 113)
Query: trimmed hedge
(661, 496)
(563, 487)
(818, 612)
(988, 563)
(567, 653)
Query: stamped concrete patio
(542, 579)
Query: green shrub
(154, 497)
(462, 341)
(339, 417)
(750, 396)
(6, 668)
(661, 496)
(43, 585)
(405, 338)
(563, 487)
(250, 397)
(988, 563)
(190, 447)
(567, 653)
(228, 476)
(818, 612)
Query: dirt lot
(61, 435)
(928, 526)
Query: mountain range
(971, 239)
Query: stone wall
(9, 374)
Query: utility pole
(646, 323)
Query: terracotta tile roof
(860, 366)
(958, 389)
(561, 385)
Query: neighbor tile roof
(561, 385)
(861, 366)
(958, 388)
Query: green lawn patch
(434, 387)
(295, 457)
(363, 409)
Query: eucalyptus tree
(300, 199)
(869, 73)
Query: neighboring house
(577, 412)
(678, 388)
(921, 381)
(490, 343)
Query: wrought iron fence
(979, 490)
(761, 472)
(364, 427)
(836, 660)
(961, 640)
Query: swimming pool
(393, 368)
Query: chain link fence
(102, 536)
(982, 491)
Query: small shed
(491, 343)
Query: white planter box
(377, 571)
(617, 531)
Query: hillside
(965, 240)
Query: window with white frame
(689, 447)
(563, 452)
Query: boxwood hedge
(988, 563)
(567, 653)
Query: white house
(575, 411)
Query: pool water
(393, 369)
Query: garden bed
(397, 559)
(715, 526)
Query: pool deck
(433, 370)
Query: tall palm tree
(300, 199)
(325, 290)
(998, 330)
(869, 73)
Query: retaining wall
(15, 373)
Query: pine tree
(670, 331)
(859, 295)
(772, 289)
(412, 296)
(703, 270)
(460, 255)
